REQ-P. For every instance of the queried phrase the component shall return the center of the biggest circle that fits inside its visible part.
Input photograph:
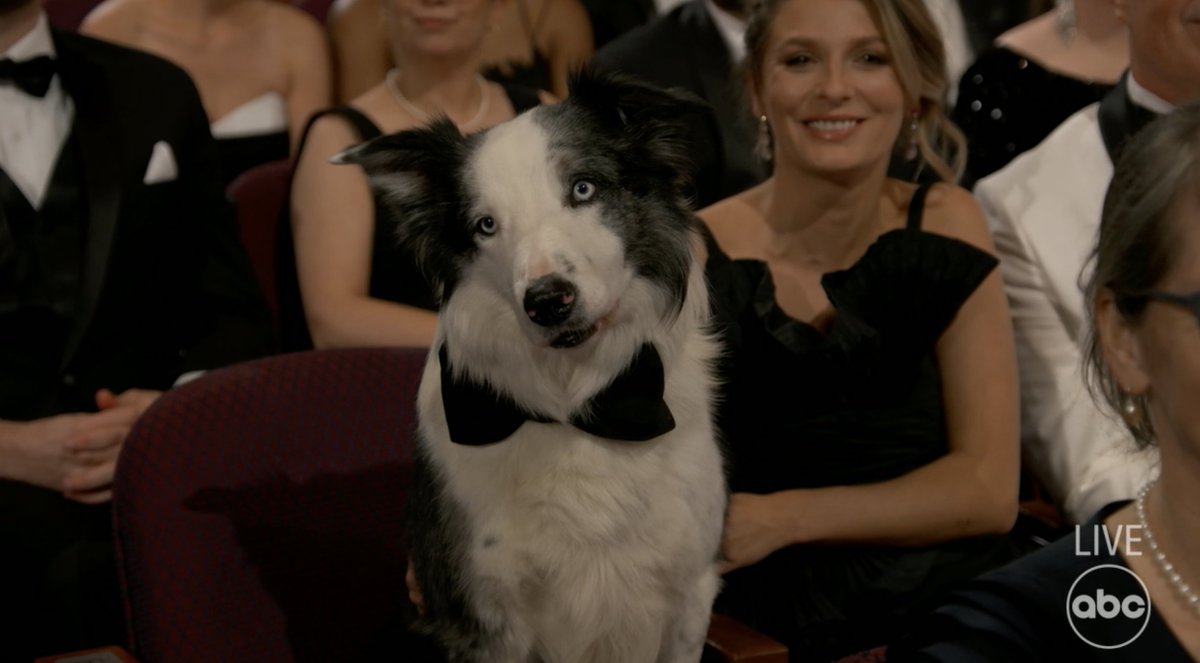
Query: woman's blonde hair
(919, 59)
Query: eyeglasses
(1191, 302)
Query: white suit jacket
(1044, 212)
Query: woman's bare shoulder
(290, 21)
(952, 211)
(114, 20)
(727, 219)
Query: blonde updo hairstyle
(919, 59)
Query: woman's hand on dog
(755, 526)
(414, 590)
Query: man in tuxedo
(1044, 212)
(697, 47)
(120, 272)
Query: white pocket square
(162, 166)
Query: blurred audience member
(1144, 359)
(262, 66)
(697, 47)
(353, 287)
(120, 270)
(1044, 209)
(1034, 77)
(871, 398)
(533, 43)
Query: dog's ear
(409, 165)
(415, 173)
(654, 122)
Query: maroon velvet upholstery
(876, 655)
(319, 9)
(258, 509)
(258, 196)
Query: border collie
(569, 494)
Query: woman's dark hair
(1137, 242)
(919, 58)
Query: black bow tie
(630, 409)
(33, 76)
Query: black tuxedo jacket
(612, 18)
(683, 49)
(165, 284)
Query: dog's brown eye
(583, 190)
(485, 225)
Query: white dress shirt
(32, 129)
(664, 7)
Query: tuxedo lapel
(101, 159)
(713, 65)
(647, 9)
(1120, 118)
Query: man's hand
(73, 453)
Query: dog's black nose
(549, 300)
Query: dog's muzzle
(550, 300)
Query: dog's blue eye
(486, 225)
(583, 191)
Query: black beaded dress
(858, 403)
(1007, 104)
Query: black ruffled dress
(858, 403)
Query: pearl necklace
(484, 101)
(1181, 587)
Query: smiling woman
(531, 42)
(351, 286)
(870, 401)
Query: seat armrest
(734, 642)
(102, 655)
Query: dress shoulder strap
(916, 206)
(364, 126)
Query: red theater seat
(258, 513)
(258, 195)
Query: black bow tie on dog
(33, 75)
(630, 409)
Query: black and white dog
(569, 494)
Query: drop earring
(1133, 410)
(1064, 19)
(913, 149)
(762, 147)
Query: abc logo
(1108, 606)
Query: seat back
(68, 14)
(258, 509)
(258, 195)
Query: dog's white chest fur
(561, 245)
(590, 549)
